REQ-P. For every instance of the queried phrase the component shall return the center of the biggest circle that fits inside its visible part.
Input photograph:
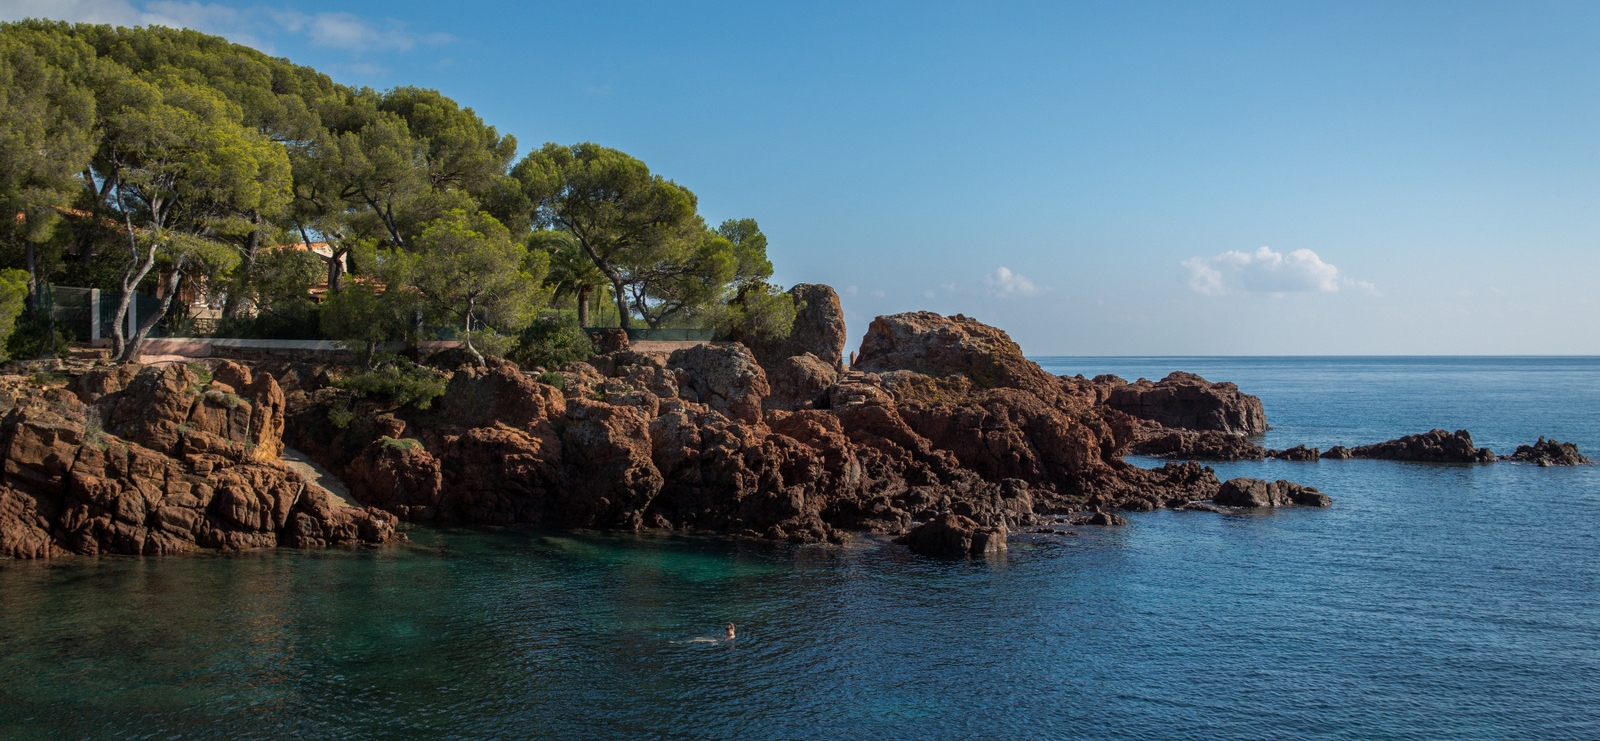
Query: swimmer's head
(730, 630)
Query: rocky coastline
(941, 435)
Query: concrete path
(317, 475)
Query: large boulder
(818, 329)
(938, 346)
(954, 536)
(1256, 493)
(725, 377)
(1433, 446)
(1187, 401)
(498, 393)
(799, 382)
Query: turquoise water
(1430, 602)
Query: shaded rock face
(1551, 453)
(954, 536)
(1256, 493)
(1434, 446)
(1208, 445)
(818, 329)
(1187, 401)
(161, 462)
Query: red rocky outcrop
(951, 422)
(1187, 401)
(156, 461)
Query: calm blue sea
(1429, 602)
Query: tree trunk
(336, 269)
(131, 352)
(231, 307)
(33, 277)
(467, 336)
(131, 275)
(624, 317)
(583, 304)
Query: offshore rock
(1551, 453)
(1256, 493)
(1187, 401)
(1296, 453)
(954, 536)
(1434, 446)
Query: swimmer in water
(730, 631)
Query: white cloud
(1004, 284)
(349, 31)
(1267, 271)
(879, 294)
(851, 290)
(334, 29)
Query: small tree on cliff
(467, 271)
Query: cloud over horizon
(1267, 271)
(1004, 284)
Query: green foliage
(341, 416)
(762, 311)
(13, 298)
(469, 273)
(399, 380)
(402, 443)
(35, 337)
(364, 318)
(625, 218)
(201, 372)
(552, 378)
(549, 342)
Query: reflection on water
(1428, 602)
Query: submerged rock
(954, 536)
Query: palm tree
(572, 273)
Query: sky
(1132, 178)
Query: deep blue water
(1429, 602)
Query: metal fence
(86, 314)
(663, 335)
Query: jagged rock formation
(953, 420)
(1551, 453)
(157, 461)
(954, 536)
(1434, 446)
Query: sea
(1428, 602)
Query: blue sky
(1093, 178)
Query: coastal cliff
(941, 421)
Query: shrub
(549, 342)
(551, 378)
(398, 380)
(404, 443)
